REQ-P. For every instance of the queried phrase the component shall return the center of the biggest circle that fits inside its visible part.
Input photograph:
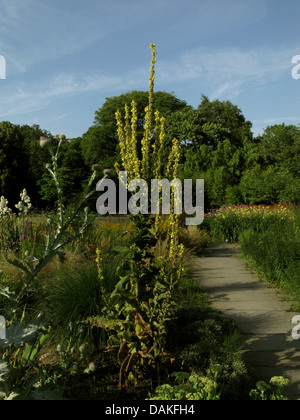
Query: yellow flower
(150, 165)
(99, 265)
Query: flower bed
(228, 222)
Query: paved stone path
(260, 314)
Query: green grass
(275, 254)
(75, 294)
(270, 243)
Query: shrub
(195, 239)
(76, 293)
(275, 252)
(188, 387)
(228, 222)
(272, 391)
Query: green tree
(229, 117)
(221, 168)
(99, 146)
(72, 173)
(210, 124)
(72, 158)
(273, 166)
(192, 130)
(279, 145)
(35, 158)
(12, 162)
(269, 186)
(100, 143)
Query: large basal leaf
(4, 370)
(19, 334)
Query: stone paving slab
(262, 317)
(267, 342)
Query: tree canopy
(12, 163)
(210, 124)
(217, 141)
(100, 143)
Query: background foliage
(217, 142)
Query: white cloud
(27, 98)
(277, 120)
(34, 31)
(221, 73)
(228, 72)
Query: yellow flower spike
(158, 145)
(150, 165)
(176, 152)
(146, 141)
(134, 119)
(152, 74)
(117, 167)
(99, 263)
(121, 136)
(155, 147)
(128, 153)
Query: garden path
(259, 311)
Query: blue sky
(64, 57)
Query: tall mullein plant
(149, 166)
(142, 303)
